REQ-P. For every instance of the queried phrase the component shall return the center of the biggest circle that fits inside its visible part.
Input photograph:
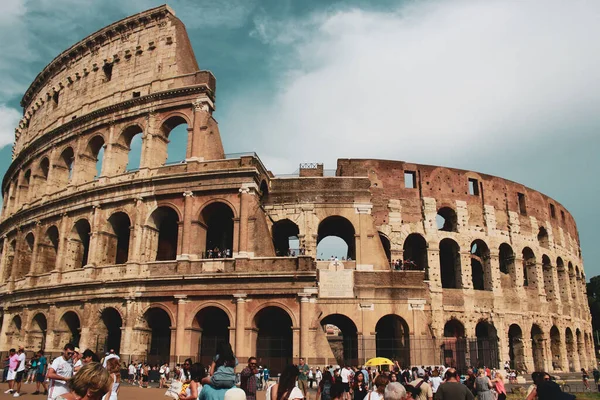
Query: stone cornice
(89, 43)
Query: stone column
(304, 324)
(63, 241)
(240, 324)
(180, 328)
(50, 345)
(93, 256)
(564, 360)
(188, 204)
(496, 283)
(465, 277)
(245, 192)
(4, 264)
(6, 320)
(86, 334)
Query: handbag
(174, 389)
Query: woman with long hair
(380, 382)
(324, 387)
(585, 377)
(499, 383)
(483, 386)
(114, 369)
(359, 387)
(222, 374)
(197, 373)
(90, 383)
(286, 388)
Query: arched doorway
(555, 348)
(392, 337)
(69, 328)
(159, 340)
(506, 256)
(164, 235)
(13, 334)
(481, 273)
(111, 339)
(118, 244)
(387, 249)
(415, 250)
(285, 235)
(450, 264)
(218, 219)
(79, 244)
(274, 346)
(342, 336)
(537, 347)
(130, 152)
(48, 250)
(570, 342)
(454, 347)
(341, 228)
(37, 335)
(516, 353)
(175, 129)
(211, 327)
(484, 351)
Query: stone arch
(216, 228)
(47, 251)
(63, 167)
(284, 230)
(572, 285)
(211, 325)
(340, 227)
(207, 304)
(109, 330)
(40, 178)
(118, 242)
(159, 322)
(392, 337)
(13, 333)
(481, 269)
(548, 278)
(69, 328)
(486, 350)
(537, 347)
(175, 121)
(414, 250)
(79, 244)
(555, 343)
(163, 307)
(127, 155)
(454, 344)
(25, 256)
(276, 304)
(516, 352)
(571, 351)
(450, 269)
(529, 265)
(264, 190)
(10, 259)
(387, 248)
(91, 160)
(343, 338)
(447, 220)
(25, 186)
(563, 277)
(542, 238)
(506, 256)
(37, 333)
(580, 347)
(274, 337)
(163, 233)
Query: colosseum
(164, 260)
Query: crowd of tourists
(405, 265)
(217, 253)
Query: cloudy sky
(510, 88)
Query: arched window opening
(516, 351)
(175, 129)
(447, 220)
(25, 186)
(570, 344)
(529, 263)
(64, 168)
(342, 336)
(15, 327)
(562, 277)
(450, 264)
(70, 328)
(274, 343)
(218, 219)
(44, 168)
(508, 276)
(164, 222)
(109, 335)
(548, 278)
(486, 351)
(555, 344)
(94, 156)
(454, 346)
(387, 249)
(212, 328)
(338, 227)
(24, 264)
(37, 334)
(48, 250)
(481, 273)
(128, 155)
(264, 190)
(159, 340)
(285, 232)
(542, 238)
(415, 252)
(79, 243)
(392, 338)
(537, 347)
(118, 246)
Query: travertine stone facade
(119, 257)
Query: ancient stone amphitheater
(118, 257)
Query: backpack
(326, 392)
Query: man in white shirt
(345, 374)
(20, 371)
(60, 372)
(132, 370)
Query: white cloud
(9, 118)
(432, 82)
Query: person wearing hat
(77, 361)
(426, 393)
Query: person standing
(266, 376)
(114, 369)
(22, 358)
(483, 386)
(60, 372)
(346, 374)
(13, 364)
(420, 383)
(248, 379)
(40, 376)
(452, 389)
(303, 377)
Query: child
(222, 374)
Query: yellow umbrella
(377, 361)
